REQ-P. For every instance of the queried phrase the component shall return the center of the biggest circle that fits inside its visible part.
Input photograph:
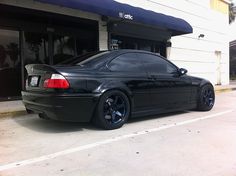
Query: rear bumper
(74, 108)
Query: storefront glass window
(10, 65)
(85, 45)
(63, 47)
(36, 48)
(145, 47)
(123, 42)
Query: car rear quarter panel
(134, 85)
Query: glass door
(10, 65)
(36, 48)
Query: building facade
(233, 48)
(233, 60)
(192, 34)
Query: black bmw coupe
(108, 87)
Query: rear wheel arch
(100, 120)
(127, 93)
(116, 85)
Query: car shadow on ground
(158, 116)
(33, 122)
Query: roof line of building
(227, 1)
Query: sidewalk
(16, 108)
(230, 87)
(12, 108)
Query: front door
(168, 90)
(129, 68)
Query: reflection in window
(146, 47)
(64, 48)
(123, 42)
(156, 64)
(10, 70)
(36, 48)
(126, 63)
(85, 45)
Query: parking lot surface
(187, 143)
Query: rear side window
(126, 63)
(156, 64)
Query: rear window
(85, 59)
(93, 59)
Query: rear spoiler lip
(43, 67)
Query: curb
(225, 90)
(13, 114)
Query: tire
(206, 98)
(112, 111)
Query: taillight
(56, 81)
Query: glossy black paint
(148, 92)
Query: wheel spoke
(107, 113)
(208, 97)
(116, 99)
(113, 116)
(110, 101)
(119, 106)
(119, 114)
(114, 109)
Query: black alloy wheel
(113, 110)
(207, 98)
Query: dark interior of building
(31, 36)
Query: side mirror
(182, 71)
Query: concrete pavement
(184, 143)
(12, 108)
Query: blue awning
(127, 12)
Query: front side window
(126, 63)
(156, 64)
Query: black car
(108, 87)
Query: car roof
(113, 54)
(132, 50)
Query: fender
(117, 85)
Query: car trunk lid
(38, 74)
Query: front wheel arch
(203, 105)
